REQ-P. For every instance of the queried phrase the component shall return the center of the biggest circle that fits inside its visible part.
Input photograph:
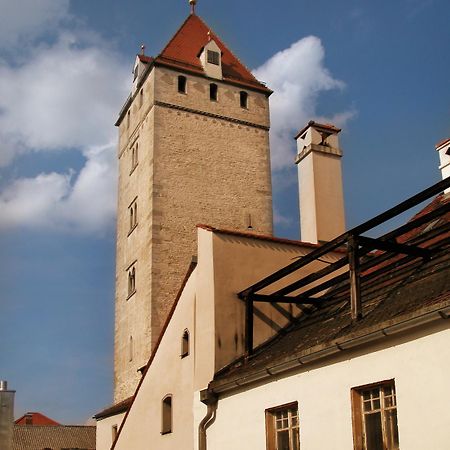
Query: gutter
(332, 349)
(210, 400)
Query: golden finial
(192, 3)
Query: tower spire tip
(192, 3)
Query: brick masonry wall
(199, 162)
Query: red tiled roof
(35, 418)
(183, 49)
(263, 237)
(443, 142)
(324, 126)
(145, 58)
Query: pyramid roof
(182, 52)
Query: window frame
(182, 84)
(271, 436)
(185, 343)
(243, 99)
(167, 414)
(132, 214)
(131, 275)
(213, 92)
(358, 413)
(213, 57)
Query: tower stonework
(193, 148)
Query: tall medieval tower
(193, 148)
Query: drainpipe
(210, 400)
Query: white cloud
(298, 76)
(25, 19)
(85, 203)
(64, 96)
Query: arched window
(244, 99)
(182, 82)
(133, 215)
(166, 417)
(213, 90)
(131, 281)
(185, 344)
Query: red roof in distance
(183, 49)
(35, 418)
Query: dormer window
(182, 82)
(213, 90)
(213, 57)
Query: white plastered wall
(104, 434)
(419, 364)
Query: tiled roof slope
(183, 50)
(399, 294)
(35, 418)
(118, 408)
(32, 437)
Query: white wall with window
(402, 381)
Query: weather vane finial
(192, 3)
(143, 49)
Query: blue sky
(380, 70)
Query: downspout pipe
(210, 400)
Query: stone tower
(193, 148)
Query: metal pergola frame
(354, 246)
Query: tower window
(213, 90)
(213, 57)
(131, 281)
(185, 344)
(166, 422)
(128, 119)
(182, 82)
(141, 98)
(130, 349)
(134, 157)
(114, 430)
(133, 215)
(244, 99)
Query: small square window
(213, 57)
(282, 424)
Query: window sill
(131, 295)
(163, 433)
(184, 355)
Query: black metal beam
(355, 279)
(393, 247)
(271, 298)
(341, 240)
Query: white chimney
(6, 416)
(443, 148)
(322, 216)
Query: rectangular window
(182, 81)
(282, 427)
(213, 90)
(375, 417)
(213, 57)
(134, 157)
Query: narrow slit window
(130, 349)
(166, 422)
(213, 91)
(244, 99)
(141, 98)
(134, 156)
(128, 119)
(185, 344)
(114, 432)
(131, 281)
(133, 211)
(374, 409)
(182, 82)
